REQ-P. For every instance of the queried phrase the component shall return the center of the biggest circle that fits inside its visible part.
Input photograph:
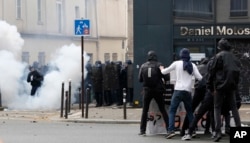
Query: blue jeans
(180, 96)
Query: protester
(185, 70)
(151, 77)
(108, 73)
(199, 94)
(35, 79)
(97, 80)
(222, 82)
(206, 106)
(130, 86)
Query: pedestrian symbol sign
(82, 27)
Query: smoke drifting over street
(64, 66)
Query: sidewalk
(95, 115)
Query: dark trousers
(130, 95)
(107, 97)
(226, 97)
(150, 94)
(199, 94)
(33, 90)
(99, 98)
(206, 106)
(114, 96)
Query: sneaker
(169, 135)
(142, 134)
(217, 137)
(213, 135)
(186, 137)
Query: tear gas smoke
(64, 66)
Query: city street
(26, 131)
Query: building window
(25, 57)
(41, 58)
(238, 8)
(114, 57)
(90, 58)
(18, 9)
(39, 11)
(193, 8)
(106, 57)
(77, 12)
(59, 15)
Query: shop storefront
(201, 40)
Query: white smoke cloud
(10, 39)
(65, 66)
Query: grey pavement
(106, 114)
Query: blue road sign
(82, 27)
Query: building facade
(193, 24)
(46, 25)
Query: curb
(100, 121)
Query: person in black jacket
(108, 73)
(97, 80)
(152, 91)
(222, 82)
(130, 78)
(35, 79)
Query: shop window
(238, 8)
(193, 8)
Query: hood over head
(224, 45)
(152, 56)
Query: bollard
(69, 96)
(80, 99)
(87, 102)
(66, 104)
(124, 103)
(62, 99)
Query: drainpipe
(97, 31)
(215, 23)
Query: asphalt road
(26, 131)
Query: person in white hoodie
(185, 70)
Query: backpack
(151, 74)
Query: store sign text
(214, 30)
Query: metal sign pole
(82, 56)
